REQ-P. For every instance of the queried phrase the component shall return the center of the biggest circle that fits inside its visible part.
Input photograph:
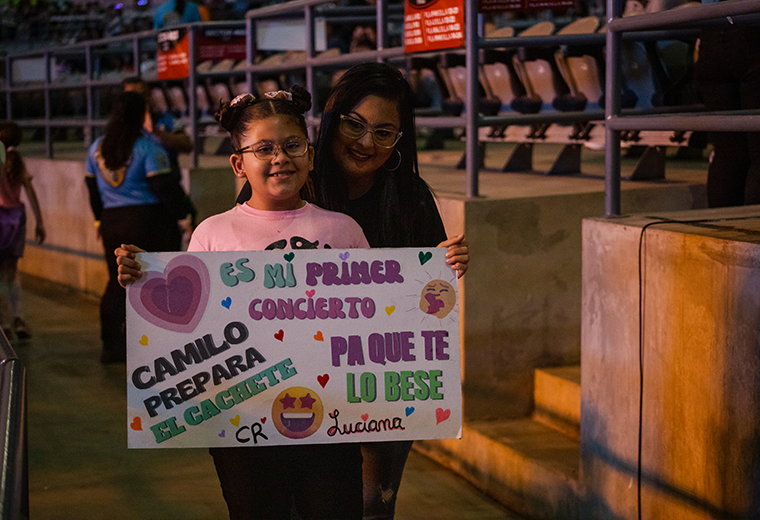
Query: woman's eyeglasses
(266, 150)
(355, 129)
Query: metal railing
(137, 44)
(615, 121)
(14, 474)
(649, 27)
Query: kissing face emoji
(297, 412)
(438, 298)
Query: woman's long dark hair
(401, 188)
(124, 128)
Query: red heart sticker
(322, 380)
(279, 335)
(136, 424)
(365, 416)
(441, 415)
(263, 420)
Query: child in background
(272, 151)
(13, 231)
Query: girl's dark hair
(236, 115)
(124, 127)
(401, 188)
(10, 135)
(179, 7)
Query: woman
(366, 166)
(135, 200)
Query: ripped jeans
(382, 469)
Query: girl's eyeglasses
(266, 150)
(355, 129)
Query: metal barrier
(137, 44)
(615, 121)
(14, 474)
(665, 25)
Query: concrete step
(557, 395)
(530, 468)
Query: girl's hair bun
(227, 115)
(301, 98)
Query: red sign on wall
(172, 56)
(433, 24)
(494, 6)
(221, 43)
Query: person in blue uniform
(176, 12)
(135, 199)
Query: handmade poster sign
(300, 347)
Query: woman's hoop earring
(399, 162)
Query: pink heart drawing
(322, 380)
(365, 416)
(176, 299)
(310, 293)
(441, 415)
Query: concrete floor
(80, 468)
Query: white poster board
(300, 347)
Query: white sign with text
(272, 348)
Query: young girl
(273, 153)
(13, 231)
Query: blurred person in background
(135, 199)
(13, 231)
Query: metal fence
(14, 481)
(615, 121)
(657, 26)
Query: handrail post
(191, 94)
(381, 31)
(136, 56)
(88, 94)
(308, 14)
(14, 474)
(8, 84)
(612, 110)
(471, 104)
(48, 110)
(250, 39)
